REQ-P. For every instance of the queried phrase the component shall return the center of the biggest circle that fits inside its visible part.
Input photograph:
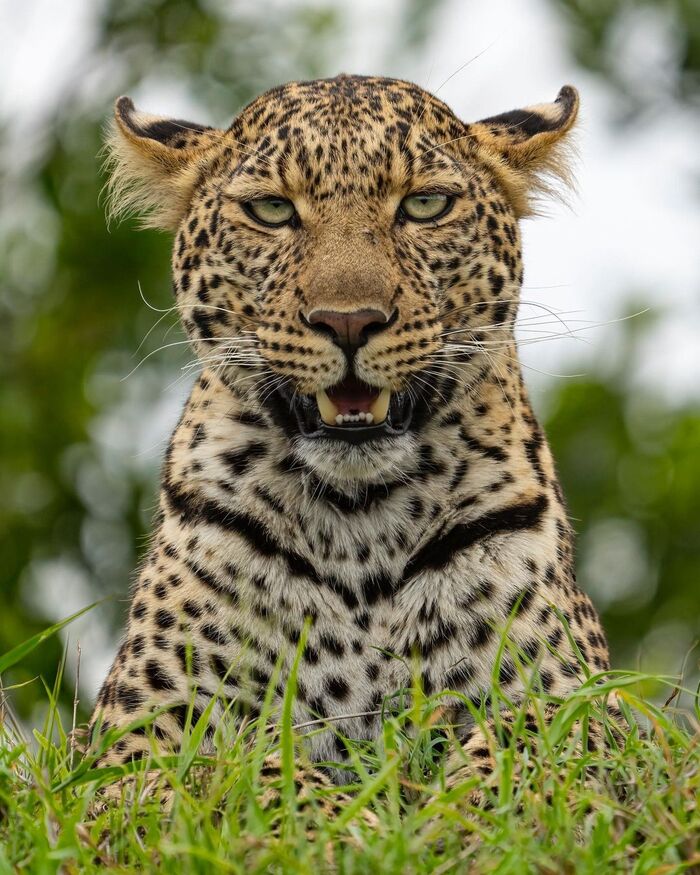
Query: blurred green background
(82, 436)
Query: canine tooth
(380, 408)
(340, 419)
(327, 409)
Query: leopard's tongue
(351, 402)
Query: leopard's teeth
(332, 416)
(329, 412)
(344, 418)
(380, 408)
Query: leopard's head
(346, 253)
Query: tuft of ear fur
(531, 150)
(154, 164)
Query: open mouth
(354, 412)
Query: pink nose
(349, 331)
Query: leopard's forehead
(324, 108)
(333, 139)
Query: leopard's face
(347, 255)
(340, 262)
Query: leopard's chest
(358, 660)
(369, 632)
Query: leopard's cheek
(479, 272)
(217, 280)
(217, 310)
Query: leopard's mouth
(352, 411)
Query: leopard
(358, 491)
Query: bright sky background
(634, 227)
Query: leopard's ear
(154, 163)
(531, 149)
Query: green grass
(633, 808)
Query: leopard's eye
(423, 207)
(271, 210)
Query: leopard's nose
(350, 330)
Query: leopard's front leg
(491, 603)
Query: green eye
(423, 207)
(271, 210)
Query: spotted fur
(423, 546)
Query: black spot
(377, 586)
(318, 707)
(189, 658)
(362, 620)
(337, 688)
(331, 644)
(213, 633)
(521, 601)
(496, 282)
(260, 676)
(203, 320)
(129, 697)
(500, 312)
(164, 619)
(481, 632)
(546, 679)
(554, 638)
(238, 461)
(310, 655)
(192, 609)
(531, 650)
(490, 452)
(458, 677)
(157, 676)
(202, 239)
(211, 582)
(249, 418)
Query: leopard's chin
(347, 465)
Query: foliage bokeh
(78, 469)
